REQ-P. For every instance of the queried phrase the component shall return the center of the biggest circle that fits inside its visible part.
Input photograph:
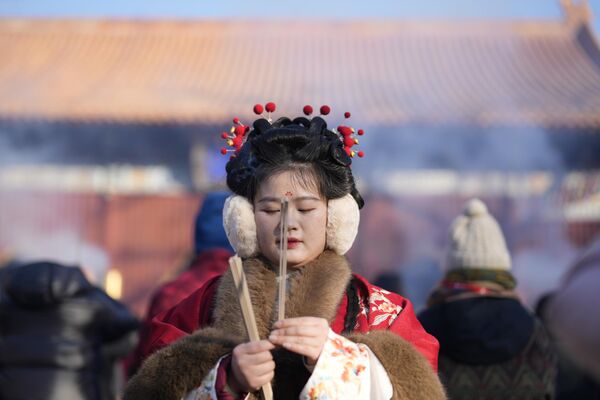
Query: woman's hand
(302, 335)
(252, 366)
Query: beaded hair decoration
(236, 137)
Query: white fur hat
(476, 240)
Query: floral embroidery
(378, 311)
(341, 348)
(383, 310)
(340, 371)
(363, 314)
(388, 307)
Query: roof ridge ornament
(576, 12)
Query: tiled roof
(385, 72)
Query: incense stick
(239, 278)
(283, 244)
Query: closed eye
(306, 210)
(268, 211)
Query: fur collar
(324, 279)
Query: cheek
(264, 230)
(318, 225)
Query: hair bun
(288, 145)
(260, 126)
(337, 152)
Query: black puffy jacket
(54, 327)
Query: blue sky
(280, 8)
(339, 9)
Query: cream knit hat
(476, 240)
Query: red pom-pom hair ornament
(344, 130)
(270, 107)
(235, 138)
(258, 109)
(240, 130)
(348, 139)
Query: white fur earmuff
(343, 218)
(240, 227)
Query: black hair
(307, 147)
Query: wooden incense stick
(283, 244)
(239, 278)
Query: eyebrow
(278, 199)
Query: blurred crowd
(63, 337)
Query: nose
(292, 219)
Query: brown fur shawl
(315, 290)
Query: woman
(342, 338)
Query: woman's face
(307, 219)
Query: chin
(295, 261)
(299, 260)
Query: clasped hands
(252, 364)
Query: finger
(264, 368)
(256, 358)
(311, 330)
(253, 370)
(300, 321)
(257, 347)
(262, 380)
(301, 340)
(302, 349)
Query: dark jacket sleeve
(115, 320)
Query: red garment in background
(196, 310)
(206, 266)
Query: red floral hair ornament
(237, 135)
(235, 138)
(348, 137)
(346, 133)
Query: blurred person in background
(59, 335)
(212, 251)
(572, 312)
(491, 346)
(211, 254)
(6, 263)
(572, 382)
(391, 281)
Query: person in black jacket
(59, 335)
(491, 346)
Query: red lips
(292, 243)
